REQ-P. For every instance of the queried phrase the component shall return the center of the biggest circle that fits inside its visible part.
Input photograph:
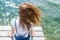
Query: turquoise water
(50, 21)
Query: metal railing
(5, 29)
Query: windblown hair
(29, 14)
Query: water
(50, 15)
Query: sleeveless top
(20, 30)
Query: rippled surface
(50, 15)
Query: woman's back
(18, 27)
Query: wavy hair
(29, 14)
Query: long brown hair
(29, 14)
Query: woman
(29, 16)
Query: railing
(5, 29)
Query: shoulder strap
(26, 33)
(16, 27)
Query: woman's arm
(31, 32)
(11, 32)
